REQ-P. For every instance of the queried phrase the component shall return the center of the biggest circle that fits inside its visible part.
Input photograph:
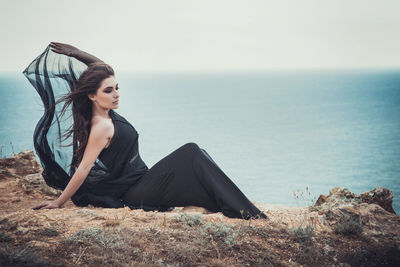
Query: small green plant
(260, 231)
(304, 234)
(218, 230)
(103, 238)
(26, 257)
(50, 232)
(223, 233)
(245, 228)
(4, 237)
(189, 219)
(348, 225)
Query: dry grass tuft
(348, 225)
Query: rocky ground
(341, 229)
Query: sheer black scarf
(54, 75)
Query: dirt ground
(342, 231)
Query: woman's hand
(64, 49)
(50, 204)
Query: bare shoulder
(102, 127)
(101, 132)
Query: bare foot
(196, 209)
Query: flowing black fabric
(119, 177)
(53, 75)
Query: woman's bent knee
(190, 148)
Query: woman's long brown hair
(88, 83)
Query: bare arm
(72, 51)
(98, 138)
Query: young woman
(104, 167)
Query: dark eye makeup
(109, 90)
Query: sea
(283, 137)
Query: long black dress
(119, 177)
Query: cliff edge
(340, 229)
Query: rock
(343, 199)
(321, 200)
(5, 173)
(351, 214)
(35, 182)
(381, 196)
(25, 167)
(20, 164)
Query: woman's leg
(189, 176)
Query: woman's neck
(98, 111)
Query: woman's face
(107, 95)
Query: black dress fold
(189, 177)
(119, 177)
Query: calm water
(272, 133)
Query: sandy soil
(341, 230)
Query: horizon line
(210, 71)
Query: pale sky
(207, 35)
